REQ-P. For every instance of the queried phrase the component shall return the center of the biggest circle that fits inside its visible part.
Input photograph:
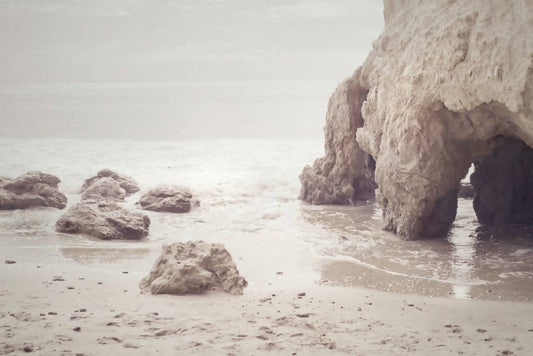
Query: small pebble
(10, 262)
(77, 328)
(28, 348)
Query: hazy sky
(58, 41)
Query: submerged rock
(104, 220)
(31, 189)
(447, 83)
(167, 198)
(193, 267)
(127, 183)
(466, 191)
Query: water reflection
(473, 262)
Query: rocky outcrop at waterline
(345, 173)
(104, 220)
(446, 85)
(168, 198)
(109, 185)
(32, 189)
(193, 267)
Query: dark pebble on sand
(77, 328)
(28, 348)
(306, 315)
(10, 262)
(301, 294)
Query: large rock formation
(345, 173)
(167, 198)
(104, 220)
(449, 82)
(108, 188)
(193, 267)
(31, 189)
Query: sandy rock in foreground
(193, 267)
(104, 220)
(167, 198)
(31, 189)
(127, 183)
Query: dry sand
(52, 305)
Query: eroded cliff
(448, 83)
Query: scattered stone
(10, 262)
(128, 345)
(301, 294)
(28, 348)
(108, 340)
(104, 220)
(304, 315)
(77, 329)
(32, 189)
(127, 183)
(193, 267)
(52, 313)
(168, 198)
(104, 189)
(481, 330)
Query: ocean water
(248, 190)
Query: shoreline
(65, 307)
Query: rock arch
(446, 84)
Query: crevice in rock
(503, 183)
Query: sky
(58, 42)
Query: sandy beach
(87, 302)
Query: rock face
(345, 173)
(104, 220)
(448, 83)
(193, 267)
(126, 183)
(31, 189)
(167, 198)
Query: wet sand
(82, 302)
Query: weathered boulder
(345, 173)
(193, 267)
(127, 183)
(104, 220)
(30, 190)
(167, 198)
(448, 82)
(105, 188)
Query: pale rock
(448, 83)
(32, 189)
(345, 173)
(193, 267)
(167, 198)
(127, 183)
(104, 220)
(105, 188)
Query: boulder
(447, 83)
(167, 198)
(127, 183)
(193, 267)
(105, 220)
(105, 188)
(31, 189)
